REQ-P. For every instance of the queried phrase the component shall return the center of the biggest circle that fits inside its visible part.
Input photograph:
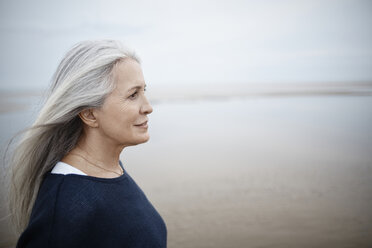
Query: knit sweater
(83, 211)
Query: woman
(69, 188)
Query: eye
(134, 95)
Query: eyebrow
(137, 87)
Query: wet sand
(259, 172)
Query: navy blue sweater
(84, 211)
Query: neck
(99, 149)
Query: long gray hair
(83, 80)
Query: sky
(194, 41)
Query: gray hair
(83, 80)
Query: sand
(269, 173)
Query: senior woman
(69, 188)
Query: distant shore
(217, 91)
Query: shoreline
(10, 99)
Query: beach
(256, 169)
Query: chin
(141, 140)
(147, 138)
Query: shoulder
(62, 196)
(82, 211)
(85, 213)
(38, 230)
(65, 213)
(47, 196)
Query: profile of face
(122, 119)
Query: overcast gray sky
(194, 41)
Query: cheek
(116, 122)
(124, 120)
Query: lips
(143, 124)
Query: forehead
(127, 74)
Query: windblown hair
(83, 80)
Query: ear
(88, 117)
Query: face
(123, 116)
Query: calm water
(255, 172)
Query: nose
(146, 107)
